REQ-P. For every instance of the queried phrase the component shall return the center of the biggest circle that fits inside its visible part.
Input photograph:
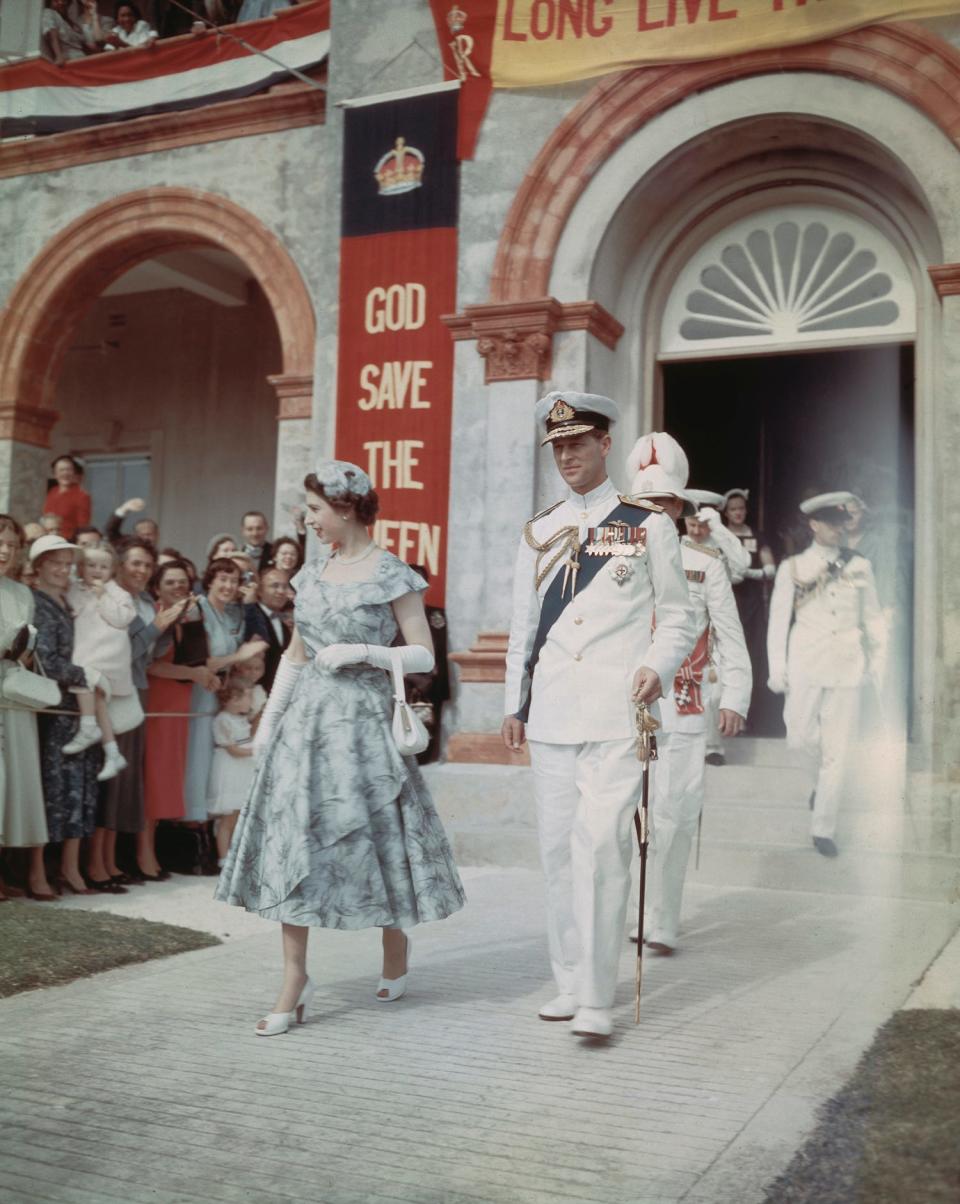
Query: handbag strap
(396, 672)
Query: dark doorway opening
(788, 426)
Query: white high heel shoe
(279, 1022)
(395, 987)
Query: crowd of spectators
(163, 670)
(74, 29)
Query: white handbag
(20, 687)
(409, 733)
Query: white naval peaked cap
(658, 467)
(566, 414)
(707, 497)
(838, 500)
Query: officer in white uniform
(825, 638)
(590, 570)
(660, 474)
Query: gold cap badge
(561, 412)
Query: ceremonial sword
(646, 752)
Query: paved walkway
(146, 1084)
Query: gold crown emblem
(400, 169)
(561, 412)
(456, 19)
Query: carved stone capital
(946, 279)
(516, 338)
(26, 424)
(294, 395)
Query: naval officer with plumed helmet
(590, 571)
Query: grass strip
(892, 1134)
(44, 947)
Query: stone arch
(49, 300)
(613, 110)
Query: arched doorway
(60, 289)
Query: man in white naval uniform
(590, 571)
(685, 708)
(825, 638)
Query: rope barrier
(9, 706)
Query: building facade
(760, 253)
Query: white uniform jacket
(826, 627)
(583, 679)
(714, 606)
(735, 555)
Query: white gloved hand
(770, 571)
(754, 574)
(335, 656)
(710, 516)
(777, 684)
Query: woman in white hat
(69, 782)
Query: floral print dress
(340, 830)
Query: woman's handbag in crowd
(22, 688)
(190, 644)
(409, 733)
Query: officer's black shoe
(824, 845)
(715, 759)
(812, 799)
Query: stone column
(24, 459)
(944, 705)
(493, 494)
(294, 445)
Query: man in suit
(269, 618)
(254, 528)
(590, 570)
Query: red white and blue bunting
(183, 73)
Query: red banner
(398, 272)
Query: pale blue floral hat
(341, 480)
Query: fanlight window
(794, 276)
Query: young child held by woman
(232, 772)
(102, 613)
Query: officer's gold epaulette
(642, 502)
(699, 547)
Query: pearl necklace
(354, 559)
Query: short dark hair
(365, 506)
(137, 15)
(220, 565)
(130, 542)
(88, 531)
(161, 570)
(255, 514)
(9, 523)
(77, 464)
(279, 543)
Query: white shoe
(82, 741)
(592, 1022)
(278, 1022)
(111, 767)
(394, 987)
(562, 1007)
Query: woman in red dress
(67, 498)
(169, 691)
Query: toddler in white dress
(102, 613)
(231, 774)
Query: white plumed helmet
(658, 467)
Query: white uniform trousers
(676, 805)
(586, 797)
(822, 723)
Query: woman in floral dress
(340, 830)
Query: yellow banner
(540, 42)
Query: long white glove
(280, 694)
(414, 657)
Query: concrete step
(911, 851)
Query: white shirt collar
(585, 501)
